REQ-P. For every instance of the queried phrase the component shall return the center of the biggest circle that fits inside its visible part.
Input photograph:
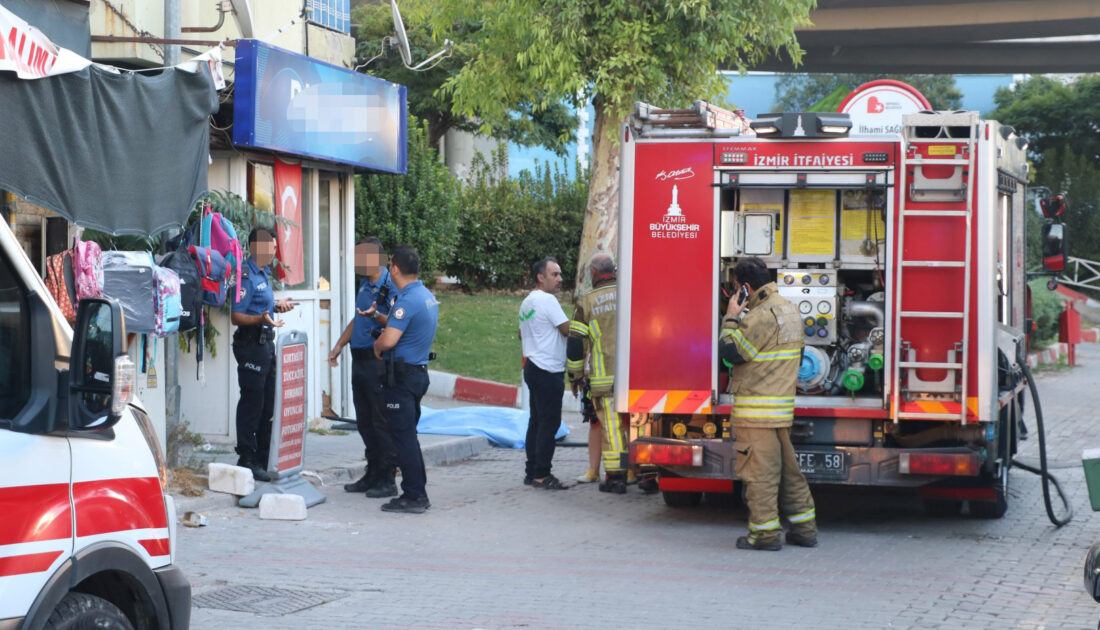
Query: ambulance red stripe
(156, 546)
(27, 563)
(35, 513)
(112, 505)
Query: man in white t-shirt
(543, 329)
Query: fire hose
(1042, 471)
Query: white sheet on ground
(503, 426)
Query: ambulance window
(15, 335)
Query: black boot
(615, 484)
(258, 472)
(364, 484)
(383, 487)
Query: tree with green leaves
(800, 92)
(609, 53)
(418, 209)
(1059, 120)
(550, 127)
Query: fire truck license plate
(830, 464)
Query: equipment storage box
(1090, 458)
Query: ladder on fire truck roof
(920, 197)
(701, 119)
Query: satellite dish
(242, 13)
(402, 37)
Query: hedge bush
(507, 224)
(418, 209)
(1046, 306)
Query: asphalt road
(494, 554)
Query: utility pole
(172, 31)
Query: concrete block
(230, 479)
(283, 507)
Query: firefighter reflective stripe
(752, 354)
(597, 381)
(765, 407)
(578, 328)
(768, 526)
(598, 367)
(575, 366)
(803, 517)
(613, 436)
(739, 339)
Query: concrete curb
(455, 387)
(1052, 353)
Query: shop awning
(118, 151)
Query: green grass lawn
(477, 336)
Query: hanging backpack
(213, 274)
(168, 303)
(190, 287)
(61, 283)
(87, 269)
(128, 278)
(219, 235)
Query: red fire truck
(903, 253)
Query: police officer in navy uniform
(406, 344)
(254, 349)
(372, 305)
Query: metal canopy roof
(941, 37)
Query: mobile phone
(743, 295)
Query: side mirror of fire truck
(101, 374)
(1054, 247)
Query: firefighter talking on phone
(764, 349)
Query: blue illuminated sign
(294, 104)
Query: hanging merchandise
(88, 269)
(213, 274)
(61, 284)
(190, 289)
(219, 235)
(149, 295)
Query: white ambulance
(87, 530)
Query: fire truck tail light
(955, 464)
(123, 391)
(666, 454)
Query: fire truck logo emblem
(673, 212)
(684, 173)
(674, 225)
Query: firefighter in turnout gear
(764, 349)
(592, 338)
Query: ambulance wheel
(681, 499)
(80, 611)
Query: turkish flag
(288, 195)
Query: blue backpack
(213, 274)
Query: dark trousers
(546, 389)
(401, 408)
(366, 389)
(256, 377)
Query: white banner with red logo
(26, 51)
(288, 196)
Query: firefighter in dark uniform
(254, 349)
(372, 305)
(765, 349)
(405, 344)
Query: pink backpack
(87, 269)
(219, 235)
